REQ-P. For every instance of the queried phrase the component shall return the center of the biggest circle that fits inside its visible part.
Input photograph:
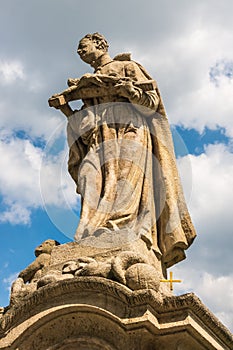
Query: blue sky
(187, 48)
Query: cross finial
(171, 281)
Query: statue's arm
(136, 95)
(66, 110)
(28, 273)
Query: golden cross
(171, 281)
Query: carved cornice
(70, 290)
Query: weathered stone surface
(28, 278)
(122, 158)
(96, 313)
(123, 264)
(142, 276)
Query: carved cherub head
(91, 47)
(46, 247)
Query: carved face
(88, 51)
(45, 247)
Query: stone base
(72, 250)
(90, 313)
(133, 264)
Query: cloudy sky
(187, 47)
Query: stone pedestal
(90, 313)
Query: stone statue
(42, 254)
(121, 156)
(27, 279)
(107, 291)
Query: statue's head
(46, 247)
(91, 47)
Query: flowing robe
(122, 160)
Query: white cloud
(207, 106)
(182, 65)
(15, 213)
(20, 161)
(207, 271)
(23, 104)
(221, 68)
(56, 186)
(210, 205)
(11, 71)
(26, 178)
(178, 51)
(216, 287)
(212, 184)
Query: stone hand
(125, 88)
(89, 79)
(71, 81)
